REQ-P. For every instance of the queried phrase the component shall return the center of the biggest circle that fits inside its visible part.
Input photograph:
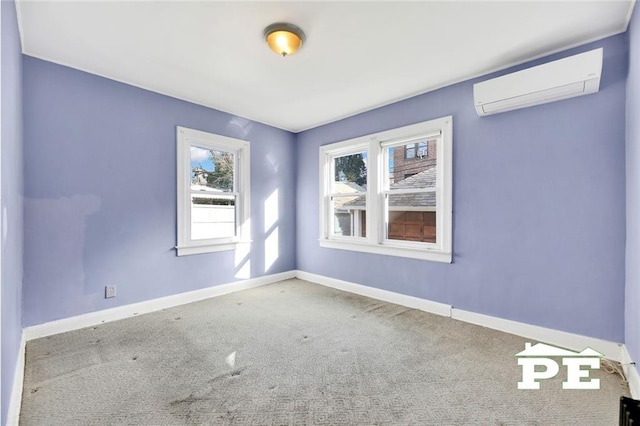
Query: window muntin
(404, 214)
(213, 191)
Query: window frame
(340, 151)
(185, 139)
(377, 145)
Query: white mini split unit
(565, 78)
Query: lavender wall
(632, 295)
(11, 206)
(539, 206)
(100, 194)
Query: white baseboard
(376, 293)
(15, 401)
(126, 311)
(575, 342)
(631, 373)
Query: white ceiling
(358, 55)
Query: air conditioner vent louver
(562, 79)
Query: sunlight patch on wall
(271, 249)
(271, 242)
(271, 211)
(243, 251)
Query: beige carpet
(295, 353)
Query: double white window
(390, 192)
(213, 191)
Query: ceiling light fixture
(284, 39)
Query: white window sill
(208, 248)
(413, 253)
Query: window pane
(350, 173)
(409, 151)
(406, 161)
(412, 217)
(213, 216)
(422, 149)
(211, 170)
(349, 215)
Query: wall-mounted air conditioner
(565, 78)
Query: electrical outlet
(109, 291)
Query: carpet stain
(218, 377)
(400, 313)
(188, 400)
(234, 373)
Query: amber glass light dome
(284, 39)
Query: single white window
(213, 191)
(348, 193)
(402, 203)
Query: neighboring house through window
(213, 191)
(377, 198)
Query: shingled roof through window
(345, 188)
(422, 180)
